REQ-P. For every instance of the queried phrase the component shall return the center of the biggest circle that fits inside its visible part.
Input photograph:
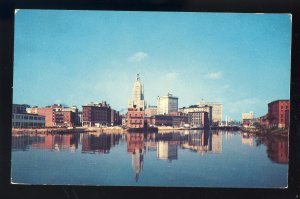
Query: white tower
(137, 95)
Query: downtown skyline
(75, 57)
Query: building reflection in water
(23, 142)
(45, 141)
(99, 142)
(278, 151)
(150, 142)
(277, 148)
(136, 146)
(203, 141)
(167, 145)
(167, 150)
(247, 139)
(228, 135)
(217, 141)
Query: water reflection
(23, 142)
(166, 145)
(247, 139)
(204, 141)
(99, 142)
(45, 141)
(277, 148)
(136, 146)
(167, 150)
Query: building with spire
(137, 100)
(136, 106)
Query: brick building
(96, 114)
(198, 108)
(57, 115)
(135, 118)
(175, 120)
(278, 113)
(263, 121)
(198, 119)
(115, 117)
(150, 111)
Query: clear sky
(77, 57)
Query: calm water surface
(184, 158)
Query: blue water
(183, 159)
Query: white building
(22, 119)
(137, 95)
(216, 110)
(248, 116)
(26, 120)
(167, 104)
(247, 119)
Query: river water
(194, 158)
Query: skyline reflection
(277, 148)
(166, 145)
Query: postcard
(151, 99)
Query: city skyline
(75, 57)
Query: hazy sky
(76, 57)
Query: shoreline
(64, 130)
(118, 129)
(267, 132)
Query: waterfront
(193, 158)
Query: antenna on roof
(138, 76)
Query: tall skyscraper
(167, 104)
(137, 100)
(136, 106)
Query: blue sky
(76, 57)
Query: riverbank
(68, 130)
(170, 129)
(266, 132)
